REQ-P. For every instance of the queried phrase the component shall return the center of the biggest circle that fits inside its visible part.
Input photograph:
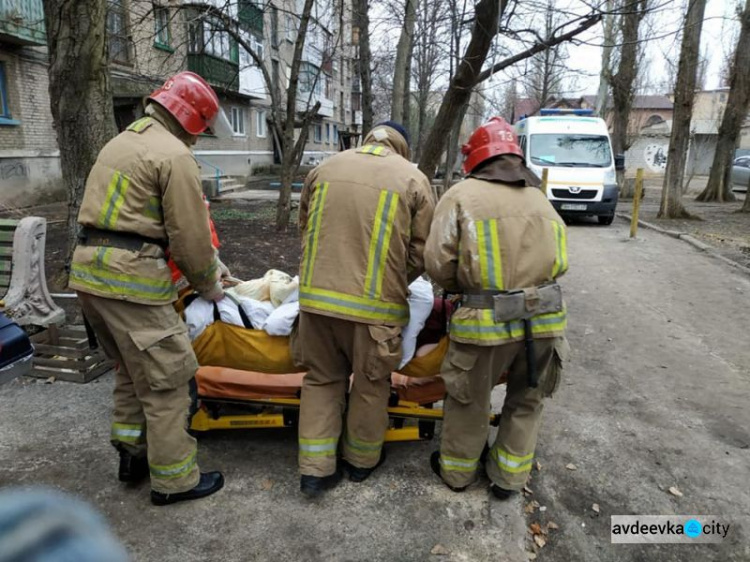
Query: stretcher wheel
(291, 417)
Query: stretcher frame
(284, 413)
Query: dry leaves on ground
(535, 528)
(439, 550)
(540, 541)
(675, 492)
(531, 507)
(528, 491)
(553, 526)
(571, 466)
(595, 507)
(267, 484)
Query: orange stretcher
(247, 381)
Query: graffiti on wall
(655, 156)
(11, 169)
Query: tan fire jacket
(364, 217)
(146, 181)
(490, 236)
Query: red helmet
(492, 139)
(191, 101)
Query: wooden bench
(23, 285)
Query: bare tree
(470, 73)
(403, 50)
(719, 187)
(609, 24)
(671, 197)
(547, 71)
(362, 19)
(80, 95)
(623, 82)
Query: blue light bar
(556, 111)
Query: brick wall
(28, 99)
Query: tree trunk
(365, 62)
(289, 160)
(406, 114)
(80, 94)
(719, 187)
(623, 90)
(452, 152)
(400, 78)
(671, 196)
(487, 15)
(606, 72)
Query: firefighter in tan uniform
(364, 218)
(502, 245)
(143, 195)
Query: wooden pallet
(64, 353)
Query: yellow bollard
(636, 202)
(545, 174)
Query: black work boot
(357, 474)
(210, 483)
(501, 493)
(314, 486)
(435, 464)
(132, 469)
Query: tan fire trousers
(331, 349)
(470, 373)
(151, 396)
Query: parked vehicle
(576, 148)
(741, 174)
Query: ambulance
(575, 148)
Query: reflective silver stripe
(127, 432)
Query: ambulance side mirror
(619, 162)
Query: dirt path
(656, 396)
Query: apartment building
(29, 159)
(150, 40)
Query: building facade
(150, 40)
(29, 159)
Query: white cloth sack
(421, 299)
(257, 311)
(198, 316)
(275, 286)
(281, 320)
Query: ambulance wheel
(606, 219)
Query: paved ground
(656, 396)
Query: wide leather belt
(519, 304)
(122, 240)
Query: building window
(275, 73)
(260, 124)
(5, 117)
(318, 132)
(290, 29)
(210, 39)
(238, 121)
(328, 133)
(336, 134)
(257, 44)
(117, 29)
(309, 80)
(161, 26)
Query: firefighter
(497, 240)
(143, 195)
(364, 218)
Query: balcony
(250, 17)
(22, 22)
(218, 72)
(326, 105)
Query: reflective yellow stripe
(313, 232)
(380, 242)
(141, 124)
(153, 209)
(457, 464)
(485, 329)
(561, 249)
(127, 432)
(490, 259)
(363, 447)
(378, 151)
(373, 149)
(359, 307)
(325, 447)
(511, 463)
(116, 190)
(119, 284)
(177, 470)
